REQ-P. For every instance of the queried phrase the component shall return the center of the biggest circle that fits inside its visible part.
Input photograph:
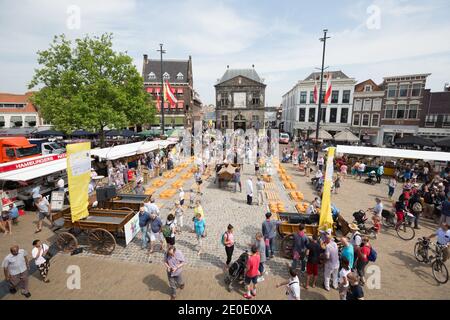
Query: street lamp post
(319, 111)
(162, 88)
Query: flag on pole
(328, 90)
(326, 219)
(168, 94)
(316, 96)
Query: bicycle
(438, 267)
(405, 231)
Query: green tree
(89, 86)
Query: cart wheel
(66, 242)
(101, 241)
(287, 246)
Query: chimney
(253, 66)
(228, 67)
(145, 58)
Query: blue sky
(369, 39)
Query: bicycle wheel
(406, 232)
(387, 223)
(440, 272)
(419, 252)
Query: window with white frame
(389, 111)
(392, 91)
(166, 76)
(367, 104)
(430, 120)
(401, 111)
(416, 89)
(152, 76)
(356, 119)
(413, 111)
(376, 105)
(403, 91)
(303, 97)
(368, 88)
(365, 120)
(375, 120)
(358, 105)
(180, 76)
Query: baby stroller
(360, 219)
(236, 271)
(371, 179)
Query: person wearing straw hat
(355, 238)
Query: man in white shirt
(361, 169)
(331, 267)
(249, 191)
(151, 207)
(260, 189)
(443, 239)
(15, 267)
(378, 209)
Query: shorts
(155, 236)
(312, 269)
(248, 280)
(6, 218)
(400, 216)
(43, 215)
(170, 241)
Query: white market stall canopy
(394, 153)
(131, 149)
(36, 171)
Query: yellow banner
(326, 219)
(79, 177)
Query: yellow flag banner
(79, 177)
(326, 219)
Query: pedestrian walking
(337, 183)
(331, 267)
(199, 227)
(168, 230)
(269, 231)
(181, 196)
(249, 188)
(198, 181)
(151, 207)
(380, 172)
(343, 280)
(228, 243)
(6, 222)
(300, 247)
(348, 252)
(15, 267)
(44, 210)
(292, 285)
(362, 260)
(312, 265)
(260, 190)
(144, 219)
(174, 261)
(155, 226)
(237, 180)
(252, 273)
(179, 213)
(261, 246)
(320, 162)
(391, 185)
(39, 253)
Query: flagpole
(162, 88)
(319, 111)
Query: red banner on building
(30, 162)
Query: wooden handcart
(126, 201)
(102, 227)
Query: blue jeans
(391, 191)
(144, 236)
(302, 260)
(269, 248)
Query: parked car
(284, 138)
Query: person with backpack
(269, 231)
(362, 260)
(228, 243)
(168, 230)
(300, 246)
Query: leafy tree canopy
(87, 85)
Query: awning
(149, 89)
(345, 136)
(30, 118)
(130, 149)
(394, 153)
(34, 172)
(323, 135)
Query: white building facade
(300, 113)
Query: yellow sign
(326, 219)
(79, 177)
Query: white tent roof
(394, 153)
(36, 171)
(345, 136)
(323, 135)
(131, 149)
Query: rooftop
(233, 73)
